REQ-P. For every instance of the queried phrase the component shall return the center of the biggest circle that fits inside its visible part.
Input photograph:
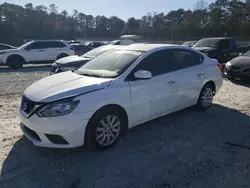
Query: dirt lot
(186, 149)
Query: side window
(117, 43)
(157, 63)
(59, 44)
(54, 44)
(185, 58)
(36, 46)
(224, 44)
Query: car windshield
(25, 45)
(109, 64)
(96, 52)
(246, 53)
(188, 43)
(207, 43)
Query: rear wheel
(15, 62)
(105, 129)
(206, 96)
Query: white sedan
(96, 104)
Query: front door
(35, 52)
(155, 96)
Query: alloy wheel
(207, 97)
(108, 130)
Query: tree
(214, 19)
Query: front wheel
(206, 97)
(104, 130)
(15, 62)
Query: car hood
(9, 50)
(203, 49)
(63, 85)
(71, 59)
(241, 61)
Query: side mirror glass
(142, 74)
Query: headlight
(228, 65)
(58, 109)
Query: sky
(122, 8)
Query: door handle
(200, 75)
(40, 50)
(171, 82)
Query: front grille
(235, 68)
(246, 70)
(55, 70)
(31, 133)
(27, 105)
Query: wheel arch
(15, 55)
(117, 107)
(212, 83)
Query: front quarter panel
(116, 93)
(5, 56)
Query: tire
(99, 130)
(206, 97)
(15, 62)
(62, 56)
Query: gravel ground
(186, 149)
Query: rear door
(53, 50)
(190, 75)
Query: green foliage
(223, 16)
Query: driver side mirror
(142, 74)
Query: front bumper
(57, 132)
(235, 74)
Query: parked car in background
(189, 43)
(6, 47)
(94, 44)
(74, 42)
(96, 104)
(36, 52)
(75, 62)
(222, 48)
(122, 42)
(80, 49)
(238, 67)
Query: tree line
(223, 17)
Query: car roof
(146, 47)
(48, 41)
(218, 38)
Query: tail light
(220, 67)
